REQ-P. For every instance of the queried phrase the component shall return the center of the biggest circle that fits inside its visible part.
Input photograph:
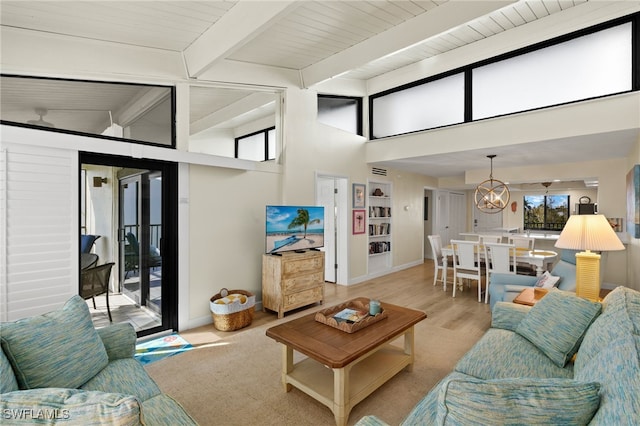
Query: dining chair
(94, 282)
(466, 264)
(499, 258)
(440, 262)
(490, 239)
(527, 243)
(521, 241)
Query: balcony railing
(544, 226)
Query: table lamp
(588, 232)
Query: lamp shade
(589, 232)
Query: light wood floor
(412, 288)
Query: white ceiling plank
(241, 24)
(525, 11)
(538, 8)
(486, 26)
(502, 20)
(346, 17)
(410, 32)
(514, 17)
(552, 6)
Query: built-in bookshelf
(380, 228)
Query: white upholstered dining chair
(526, 243)
(466, 264)
(490, 239)
(440, 263)
(499, 258)
(521, 241)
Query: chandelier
(492, 195)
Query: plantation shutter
(39, 214)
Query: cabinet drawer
(293, 267)
(302, 282)
(302, 298)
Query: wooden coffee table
(358, 363)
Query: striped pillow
(60, 349)
(557, 324)
(463, 401)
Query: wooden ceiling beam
(412, 31)
(244, 21)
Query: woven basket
(232, 316)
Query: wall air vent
(378, 171)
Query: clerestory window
(257, 146)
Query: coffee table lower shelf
(341, 389)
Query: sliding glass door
(141, 238)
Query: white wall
(227, 231)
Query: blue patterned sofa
(57, 368)
(523, 370)
(505, 287)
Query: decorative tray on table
(350, 316)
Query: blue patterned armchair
(505, 287)
(58, 364)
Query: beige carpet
(236, 380)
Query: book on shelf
(377, 211)
(350, 315)
(379, 229)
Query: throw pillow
(547, 280)
(8, 382)
(60, 349)
(54, 406)
(557, 323)
(464, 401)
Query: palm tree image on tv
(303, 220)
(296, 228)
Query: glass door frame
(169, 249)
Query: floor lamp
(588, 232)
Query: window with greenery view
(545, 212)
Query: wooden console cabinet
(292, 280)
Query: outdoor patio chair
(94, 282)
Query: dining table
(542, 260)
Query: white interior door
(483, 222)
(451, 211)
(457, 214)
(442, 197)
(332, 193)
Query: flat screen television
(294, 228)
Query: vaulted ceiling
(320, 39)
(313, 40)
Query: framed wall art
(359, 221)
(616, 223)
(358, 195)
(633, 202)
